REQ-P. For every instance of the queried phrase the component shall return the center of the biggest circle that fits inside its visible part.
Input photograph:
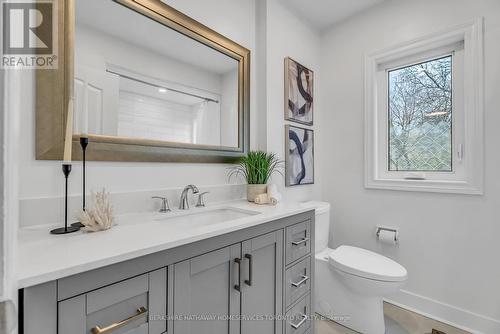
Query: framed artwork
(299, 156)
(299, 89)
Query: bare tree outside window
(420, 117)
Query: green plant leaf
(256, 167)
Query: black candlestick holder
(66, 168)
(84, 142)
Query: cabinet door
(262, 284)
(206, 293)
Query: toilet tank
(322, 224)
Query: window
(423, 114)
(420, 116)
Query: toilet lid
(367, 264)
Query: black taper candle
(84, 142)
(66, 168)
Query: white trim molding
(449, 314)
(13, 93)
(470, 178)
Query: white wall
(449, 243)
(288, 36)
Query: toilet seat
(366, 264)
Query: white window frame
(465, 44)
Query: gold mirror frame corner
(53, 91)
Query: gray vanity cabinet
(262, 284)
(242, 282)
(206, 294)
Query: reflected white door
(96, 101)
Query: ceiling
(322, 14)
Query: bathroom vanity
(236, 268)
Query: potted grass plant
(256, 168)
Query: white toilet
(350, 281)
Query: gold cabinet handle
(141, 312)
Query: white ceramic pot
(254, 190)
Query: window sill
(433, 186)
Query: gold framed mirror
(147, 110)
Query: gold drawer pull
(141, 312)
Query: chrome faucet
(184, 203)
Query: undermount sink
(206, 217)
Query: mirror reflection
(137, 78)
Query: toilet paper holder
(389, 229)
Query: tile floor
(398, 321)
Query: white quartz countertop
(43, 257)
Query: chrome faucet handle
(164, 204)
(201, 199)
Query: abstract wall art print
(299, 156)
(299, 84)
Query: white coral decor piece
(101, 216)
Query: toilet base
(351, 306)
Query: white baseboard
(446, 313)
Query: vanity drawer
(298, 241)
(122, 308)
(297, 281)
(298, 317)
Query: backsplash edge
(50, 210)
